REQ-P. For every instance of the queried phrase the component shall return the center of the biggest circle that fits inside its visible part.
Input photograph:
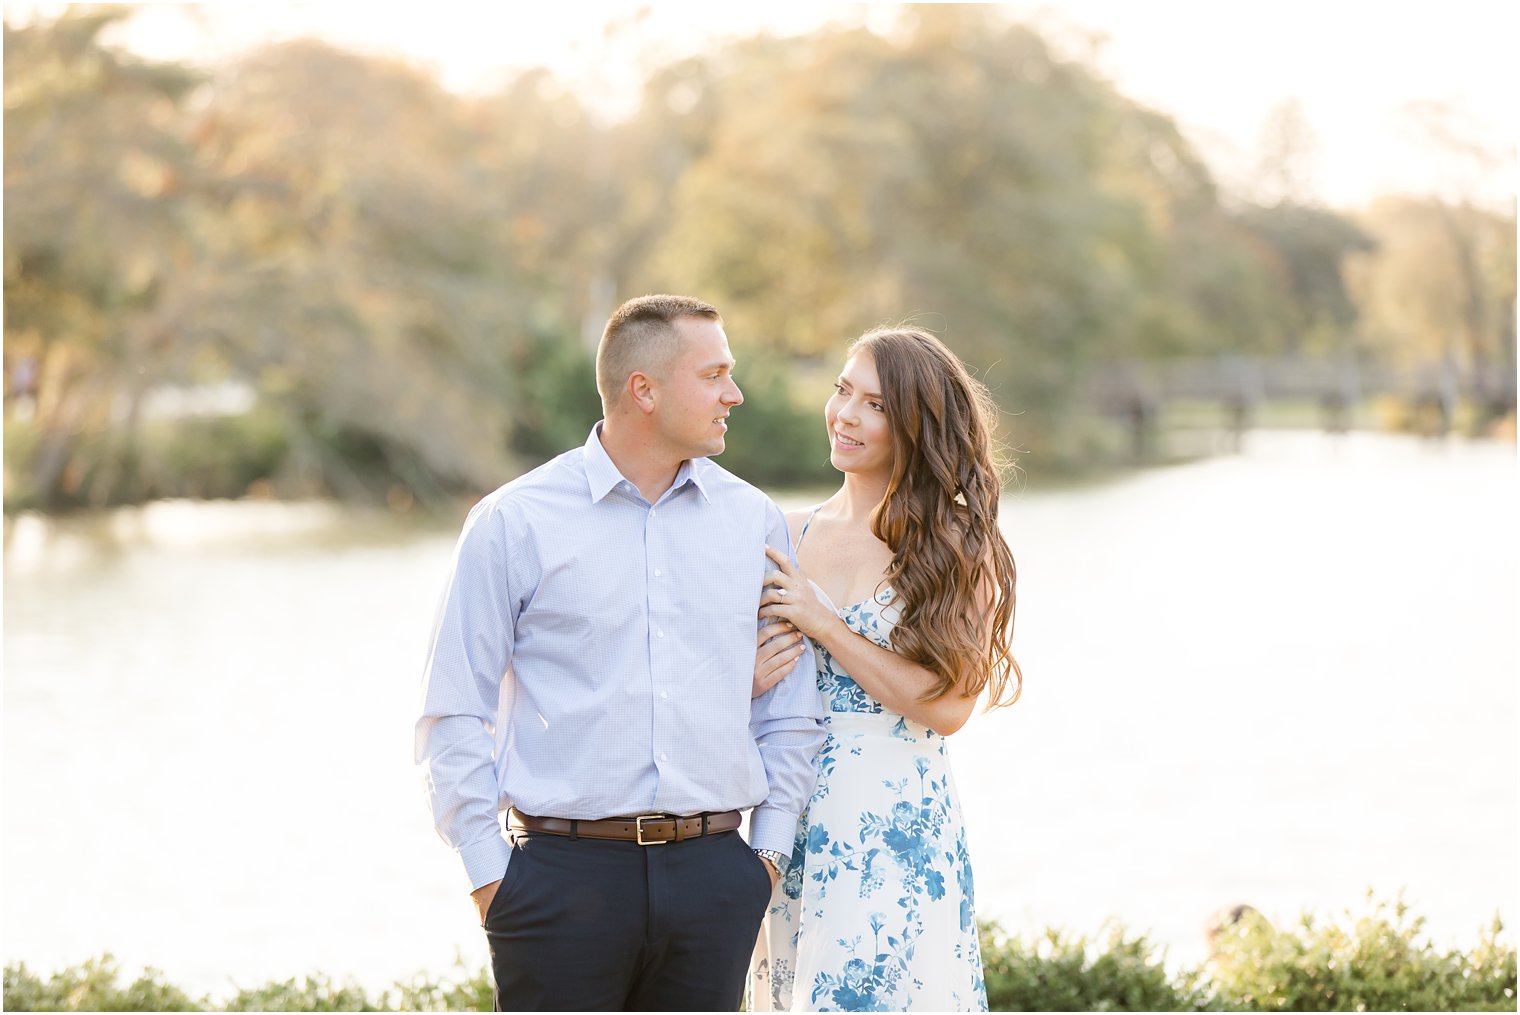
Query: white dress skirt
(876, 912)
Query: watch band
(774, 856)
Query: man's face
(693, 398)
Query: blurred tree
(1311, 247)
(362, 279)
(412, 281)
(959, 169)
(1441, 291)
(99, 182)
(1306, 246)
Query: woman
(875, 911)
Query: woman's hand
(777, 646)
(788, 596)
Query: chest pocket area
(585, 595)
(724, 581)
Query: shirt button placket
(657, 604)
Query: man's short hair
(641, 336)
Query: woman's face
(860, 439)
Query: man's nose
(734, 396)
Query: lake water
(1281, 678)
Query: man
(591, 669)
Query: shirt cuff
(773, 828)
(485, 861)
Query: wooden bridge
(1137, 393)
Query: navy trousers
(599, 925)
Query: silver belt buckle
(638, 828)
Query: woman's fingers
(783, 560)
(783, 647)
(774, 660)
(774, 655)
(766, 632)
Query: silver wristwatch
(777, 860)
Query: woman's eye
(876, 406)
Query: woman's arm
(896, 682)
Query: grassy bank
(1378, 960)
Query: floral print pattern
(877, 908)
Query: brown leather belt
(644, 829)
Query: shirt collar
(693, 469)
(602, 474)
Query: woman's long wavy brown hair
(940, 517)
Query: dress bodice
(872, 618)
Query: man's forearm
(460, 780)
(790, 773)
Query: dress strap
(803, 534)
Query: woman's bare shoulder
(795, 520)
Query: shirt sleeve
(787, 723)
(462, 687)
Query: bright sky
(1218, 67)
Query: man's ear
(641, 391)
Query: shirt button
(664, 695)
(659, 634)
(656, 572)
(663, 757)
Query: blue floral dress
(876, 911)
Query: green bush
(199, 457)
(1055, 972)
(1373, 962)
(92, 986)
(467, 992)
(214, 457)
(309, 993)
(21, 440)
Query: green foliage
(1311, 245)
(219, 456)
(310, 993)
(558, 401)
(21, 444)
(1376, 961)
(199, 457)
(1057, 972)
(465, 991)
(92, 986)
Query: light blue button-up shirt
(593, 656)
